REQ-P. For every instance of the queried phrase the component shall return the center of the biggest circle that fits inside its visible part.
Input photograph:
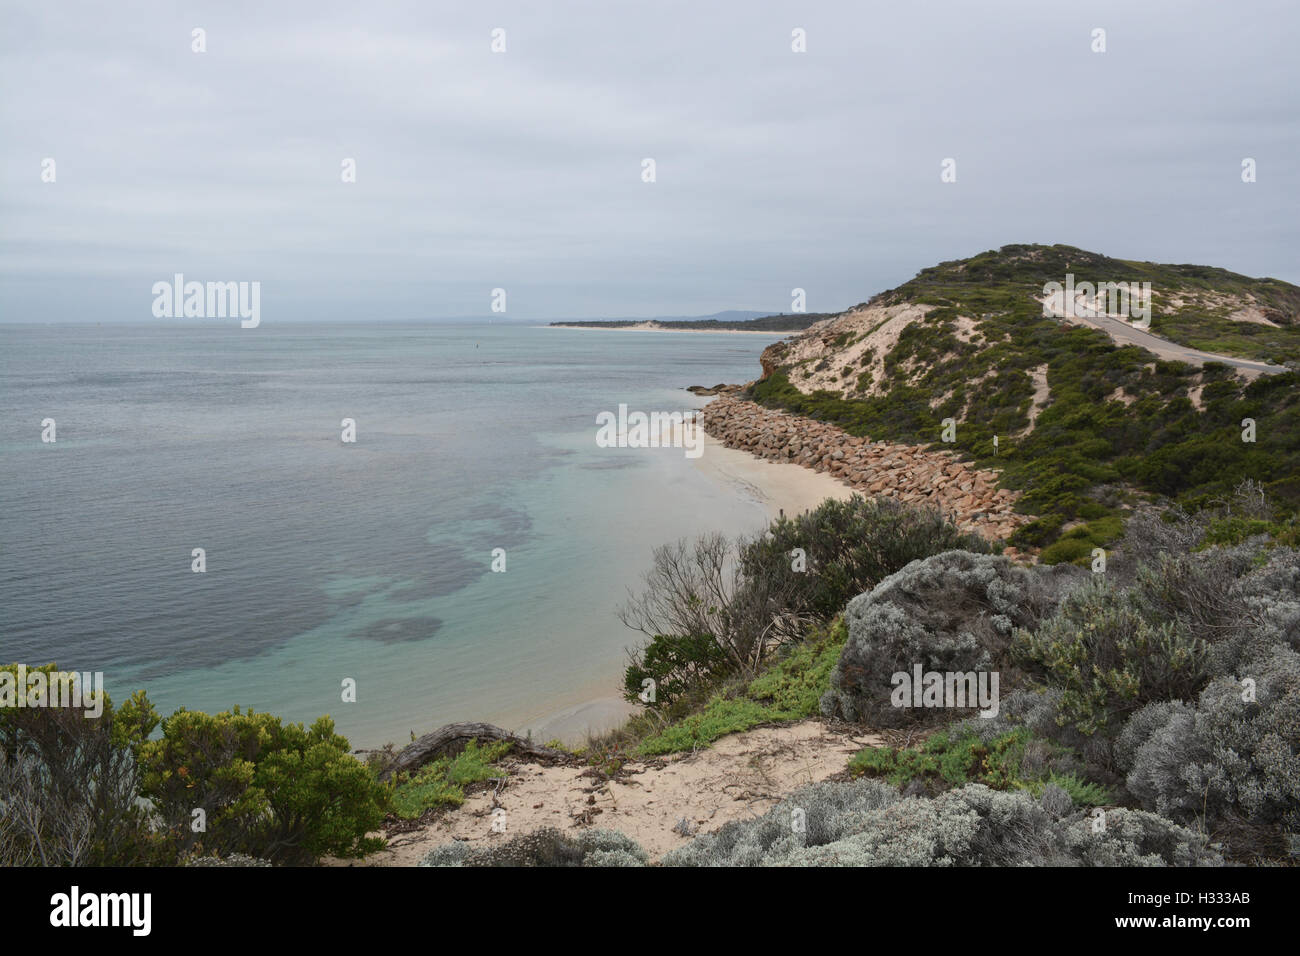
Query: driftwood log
(452, 738)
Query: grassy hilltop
(1085, 427)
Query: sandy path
(740, 776)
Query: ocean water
(327, 560)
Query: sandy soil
(879, 326)
(738, 777)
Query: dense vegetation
(1117, 421)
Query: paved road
(1125, 334)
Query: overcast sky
(523, 170)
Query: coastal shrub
(1137, 838)
(1014, 760)
(69, 783)
(704, 619)
(790, 689)
(943, 758)
(675, 665)
(1076, 545)
(1227, 756)
(235, 859)
(867, 823)
(441, 782)
(1056, 801)
(1175, 529)
(1240, 599)
(1031, 708)
(1198, 590)
(1084, 793)
(280, 791)
(712, 609)
(849, 547)
(1109, 659)
(953, 612)
(545, 847)
(1270, 595)
(814, 815)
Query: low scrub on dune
(869, 823)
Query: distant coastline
(647, 327)
(767, 325)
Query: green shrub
(966, 759)
(676, 665)
(714, 609)
(958, 756)
(441, 782)
(1109, 659)
(1083, 793)
(1076, 545)
(279, 791)
(788, 690)
(850, 546)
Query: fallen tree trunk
(452, 738)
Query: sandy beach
(737, 777)
(777, 487)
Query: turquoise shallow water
(327, 560)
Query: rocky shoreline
(969, 496)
